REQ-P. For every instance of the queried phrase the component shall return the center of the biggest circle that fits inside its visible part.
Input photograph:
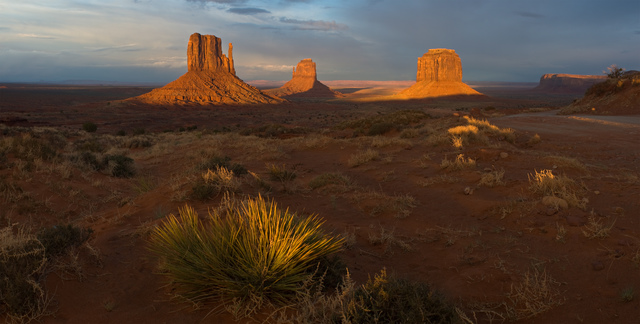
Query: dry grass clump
(534, 295)
(546, 183)
(382, 299)
(361, 158)
(246, 254)
(462, 135)
(22, 269)
(378, 202)
(337, 181)
(388, 239)
(381, 141)
(596, 228)
(492, 179)
(459, 163)
(215, 181)
(506, 134)
(565, 162)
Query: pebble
(468, 191)
(596, 192)
(504, 155)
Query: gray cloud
(528, 14)
(314, 24)
(219, 1)
(36, 36)
(248, 11)
(2, 29)
(122, 48)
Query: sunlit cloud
(35, 36)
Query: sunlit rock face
(568, 83)
(439, 74)
(304, 83)
(211, 79)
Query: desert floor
(477, 231)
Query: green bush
(391, 300)
(119, 166)
(57, 239)
(89, 127)
(250, 253)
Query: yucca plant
(251, 252)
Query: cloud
(219, 1)
(248, 11)
(2, 29)
(314, 24)
(528, 14)
(36, 36)
(123, 48)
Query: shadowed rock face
(211, 79)
(439, 74)
(568, 83)
(304, 83)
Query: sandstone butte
(304, 83)
(439, 74)
(568, 83)
(211, 79)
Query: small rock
(575, 221)
(552, 201)
(551, 211)
(504, 155)
(488, 169)
(596, 192)
(468, 191)
(597, 265)
(585, 200)
(554, 167)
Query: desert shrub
(87, 160)
(250, 253)
(214, 182)
(331, 178)
(546, 183)
(535, 294)
(281, 173)
(90, 127)
(223, 162)
(459, 163)
(119, 166)
(57, 239)
(361, 158)
(614, 72)
(139, 131)
(30, 146)
(380, 128)
(398, 119)
(22, 262)
(492, 179)
(386, 299)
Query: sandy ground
(402, 212)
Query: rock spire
(304, 83)
(211, 79)
(439, 74)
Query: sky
(146, 40)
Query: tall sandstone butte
(439, 74)
(304, 83)
(211, 79)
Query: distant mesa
(211, 79)
(304, 83)
(439, 74)
(567, 83)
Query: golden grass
(537, 293)
(546, 183)
(596, 228)
(565, 162)
(361, 158)
(492, 179)
(460, 163)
